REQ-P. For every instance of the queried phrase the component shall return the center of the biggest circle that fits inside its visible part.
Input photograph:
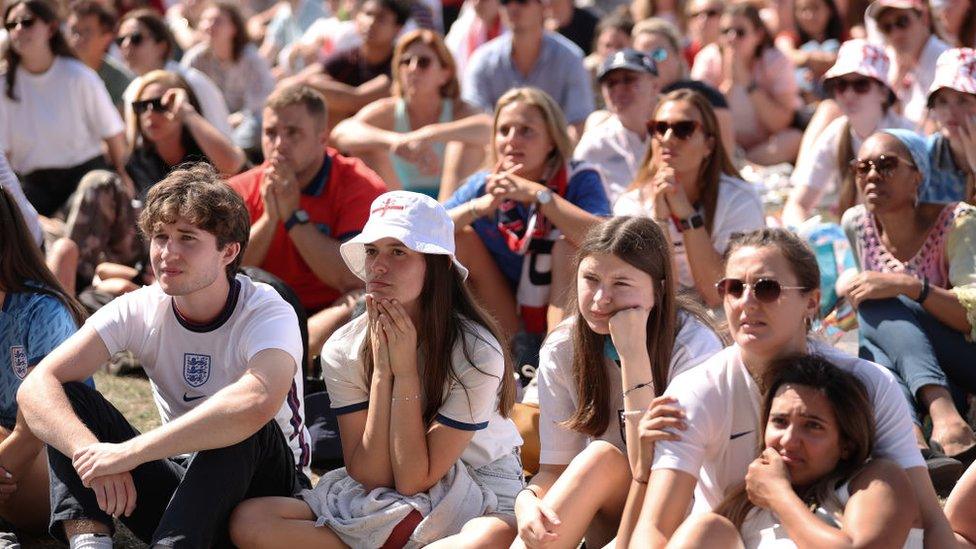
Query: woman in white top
(858, 82)
(419, 383)
(55, 113)
(770, 293)
(598, 371)
(814, 485)
(688, 183)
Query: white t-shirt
(471, 407)
(914, 91)
(694, 343)
(818, 167)
(738, 209)
(722, 404)
(616, 151)
(187, 363)
(9, 181)
(60, 117)
(208, 94)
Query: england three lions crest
(196, 369)
(18, 361)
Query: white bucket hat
(955, 69)
(861, 57)
(415, 219)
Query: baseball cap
(417, 220)
(629, 59)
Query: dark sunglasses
(520, 2)
(135, 39)
(23, 22)
(860, 86)
(155, 105)
(423, 61)
(707, 13)
(682, 129)
(901, 22)
(885, 165)
(766, 290)
(736, 32)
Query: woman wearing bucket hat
(858, 82)
(916, 294)
(422, 389)
(952, 150)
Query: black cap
(629, 59)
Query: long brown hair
(449, 315)
(714, 165)
(854, 414)
(171, 80)
(22, 267)
(451, 89)
(48, 15)
(641, 243)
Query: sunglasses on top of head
(766, 290)
(134, 38)
(23, 22)
(682, 129)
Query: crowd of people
(665, 273)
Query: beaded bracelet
(406, 398)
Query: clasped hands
(106, 469)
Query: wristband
(924, 293)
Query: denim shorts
(505, 478)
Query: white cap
(417, 220)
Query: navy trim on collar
(321, 179)
(222, 318)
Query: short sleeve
(818, 168)
(708, 65)
(475, 88)
(776, 65)
(345, 379)
(247, 185)
(744, 213)
(472, 399)
(629, 204)
(893, 422)
(579, 91)
(961, 252)
(211, 100)
(101, 115)
(850, 222)
(275, 327)
(50, 323)
(698, 399)
(694, 344)
(360, 186)
(120, 322)
(559, 443)
(468, 191)
(586, 190)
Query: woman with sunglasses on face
(412, 140)
(952, 149)
(235, 66)
(771, 294)
(51, 137)
(599, 370)
(422, 390)
(916, 294)
(749, 70)
(688, 184)
(814, 484)
(823, 176)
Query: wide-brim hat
(858, 56)
(955, 69)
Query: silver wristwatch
(543, 196)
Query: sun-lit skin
(812, 16)
(217, 29)
(701, 26)
(157, 126)
(893, 192)
(395, 272)
(669, 70)
(951, 108)
(744, 45)
(868, 105)
(186, 259)
(625, 90)
(146, 56)
(418, 82)
(376, 25)
(521, 137)
(610, 41)
(683, 155)
(606, 284)
(803, 430)
(28, 42)
(907, 41)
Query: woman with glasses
(858, 82)
(688, 184)
(51, 137)
(750, 71)
(413, 140)
(626, 337)
(952, 149)
(916, 294)
(770, 292)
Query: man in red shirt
(304, 201)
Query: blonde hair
(164, 78)
(451, 89)
(669, 32)
(551, 113)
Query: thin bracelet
(406, 398)
(638, 386)
(527, 489)
(924, 293)
(632, 413)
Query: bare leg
(706, 530)
(949, 429)
(487, 282)
(30, 506)
(632, 509)
(279, 522)
(482, 532)
(562, 278)
(780, 147)
(62, 259)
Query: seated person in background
(349, 80)
(411, 140)
(573, 22)
(955, 22)
(10, 183)
(37, 316)
(599, 371)
(815, 483)
(952, 149)
(612, 35)
(304, 201)
(290, 20)
(915, 294)
(750, 71)
(913, 49)
(703, 18)
(235, 66)
(518, 224)
(812, 43)
(147, 45)
(858, 83)
(222, 355)
(529, 55)
(687, 183)
(960, 511)
(628, 81)
(478, 22)
(91, 30)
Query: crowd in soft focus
(501, 273)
